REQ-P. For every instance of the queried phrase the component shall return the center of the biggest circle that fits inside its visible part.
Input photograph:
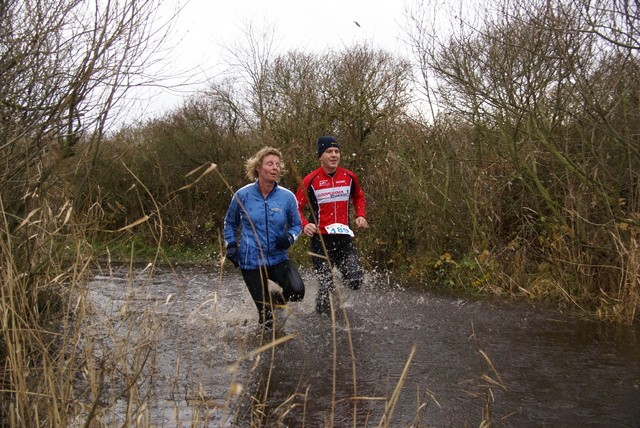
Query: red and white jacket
(328, 197)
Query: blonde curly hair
(256, 160)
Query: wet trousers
(285, 275)
(341, 253)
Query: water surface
(411, 356)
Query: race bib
(339, 229)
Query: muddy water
(410, 357)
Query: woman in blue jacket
(264, 216)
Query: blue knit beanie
(325, 142)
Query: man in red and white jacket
(328, 191)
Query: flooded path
(401, 357)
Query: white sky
(302, 24)
(204, 26)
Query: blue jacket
(269, 217)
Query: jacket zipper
(266, 228)
(335, 204)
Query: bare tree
(294, 97)
(249, 60)
(549, 89)
(616, 22)
(65, 64)
(363, 87)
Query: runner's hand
(361, 223)
(284, 241)
(232, 253)
(310, 229)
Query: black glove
(232, 253)
(284, 241)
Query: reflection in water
(412, 357)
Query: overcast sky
(204, 26)
(303, 24)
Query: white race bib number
(339, 229)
